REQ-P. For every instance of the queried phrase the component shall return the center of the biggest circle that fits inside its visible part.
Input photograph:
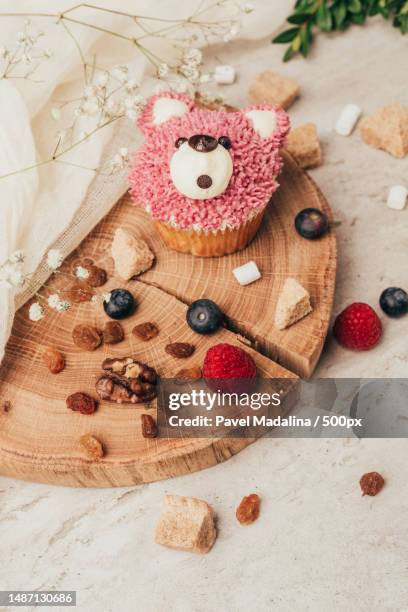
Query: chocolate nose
(204, 181)
(203, 143)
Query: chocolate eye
(225, 142)
(180, 141)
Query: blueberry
(120, 305)
(394, 301)
(204, 316)
(311, 223)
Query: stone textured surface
(318, 544)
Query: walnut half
(126, 380)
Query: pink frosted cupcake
(206, 176)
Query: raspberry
(229, 363)
(358, 327)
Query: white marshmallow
(348, 119)
(224, 75)
(248, 273)
(397, 197)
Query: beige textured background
(318, 545)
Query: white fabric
(57, 205)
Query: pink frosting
(256, 164)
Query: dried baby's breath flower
(119, 161)
(54, 259)
(63, 306)
(35, 312)
(163, 70)
(17, 257)
(81, 272)
(53, 301)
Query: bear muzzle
(201, 168)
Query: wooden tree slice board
(39, 436)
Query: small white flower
(17, 257)
(54, 259)
(54, 301)
(191, 74)
(106, 296)
(193, 56)
(102, 79)
(26, 58)
(90, 107)
(81, 272)
(163, 70)
(35, 312)
(21, 36)
(124, 152)
(56, 114)
(16, 278)
(63, 306)
(95, 299)
(121, 73)
(131, 85)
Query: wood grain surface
(39, 436)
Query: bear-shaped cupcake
(206, 176)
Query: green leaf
(354, 6)
(298, 18)
(288, 54)
(306, 39)
(358, 19)
(340, 14)
(286, 36)
(324, 18)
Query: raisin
(181, 350)
(7, 406)
(113, 332)
(193, 373)
(86, 337)
(371, 483)
(79, 292)
(248, 510)
(145, 331)
(81, 402)
(93, 447)
(97, 276)
(54, 360)
(149, 426)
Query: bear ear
(268, 122)
(163, 107)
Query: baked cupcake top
(203, 169)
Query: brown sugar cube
(274, 89)
(293, 304)
(387, 129)
(187, 523)
(303, 144)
